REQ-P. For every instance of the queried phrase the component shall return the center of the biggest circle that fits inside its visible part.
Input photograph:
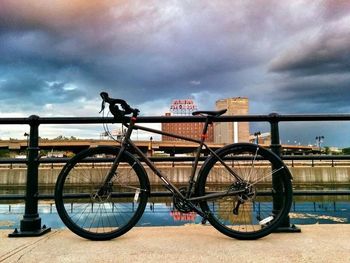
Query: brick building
(186, 129)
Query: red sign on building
(183, 107)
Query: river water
(305, 210)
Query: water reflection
(163, 214)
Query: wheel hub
(248, 190)
(248, 193)
(102, 194)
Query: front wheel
(263, 184)
(95, 210)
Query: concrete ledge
(193, 243)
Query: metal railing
(30, 225)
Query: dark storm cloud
(313, 94)
(286, 56)
(313, 72)
(327, 51)
(27, 89)
(128, 48)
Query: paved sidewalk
(193, 243)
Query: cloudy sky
(285, 56)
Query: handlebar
(117, 113)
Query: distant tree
(43, 152)
(327, 150)
(4, 153)
(61, 138)
(346, 151)
(69, 154)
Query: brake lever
(102, 106)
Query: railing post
(30, 225)
(275, 146)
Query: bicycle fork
(116, 161)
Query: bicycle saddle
(209, 113)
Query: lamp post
(150, 146)
(256, 134)
(319, 141)
(27, 136)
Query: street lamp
(319, 141)
(150, 146)
(27, 135)
(256, 134)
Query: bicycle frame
(127, 142)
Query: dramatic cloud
(321, 52)
(131, 46)
(56, 56)
(314, 72)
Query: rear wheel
(98, 212)
(265, 191)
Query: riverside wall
(180, 174)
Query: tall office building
(232, 132)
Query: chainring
(179, 204)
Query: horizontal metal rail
(178, 159)
(273, 117)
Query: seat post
(205, 128)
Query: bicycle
(242, 189)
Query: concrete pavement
(191, 243)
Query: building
(186, 129)
(232, 132)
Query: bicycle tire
(94, 214)
(267, 180)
